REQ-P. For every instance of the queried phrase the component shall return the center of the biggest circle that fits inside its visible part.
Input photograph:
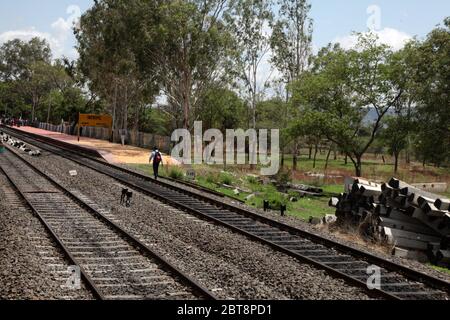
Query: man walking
(157, 160)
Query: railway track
(397, 281)
(52, 260)
(114, 264)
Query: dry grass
(373, 169)
(352, 234)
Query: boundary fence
(133, 138)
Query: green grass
(441, 269)
(333, 189)
(148, 169)
(446, 194)
(175, 173)
(311, 207)
(213, 177)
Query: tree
(291, 43)
(25, 66)
(108, 60)
(248, 22)
(308, 125)
(12, 103)
(17, 57)
(156, 121)
(221, 108)
(343, 87)
(180, 50)
(395, 136)
(291, 40)
(270, 113)
(38, 85)
(187, 45)
(430, 68)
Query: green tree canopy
(343, 87)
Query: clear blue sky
(334, 19)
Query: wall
(137, 139)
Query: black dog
(129, 196)
(124, 195)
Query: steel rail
(187, 280)
(391, 266)
(90, 283)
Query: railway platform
(112, 152)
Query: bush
(276, 200)
(226, 179)
(293, 194)
(283, 177)
(211, 179)
(176, 173)
(252, 180)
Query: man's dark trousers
(156, 169)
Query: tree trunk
(254, 102)
(328, 157)
(294, 158)
(49, 110)
(310, 152)
(34, 107)
(186, 111)
(282, 159)
(358, 167)
(253, 166)
(396, 155)
(137, 118)
(254, 96)
(125, 110)
(315, 156)
(346, 159)
(186, 88)
(114, 111)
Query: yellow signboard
(94, 120)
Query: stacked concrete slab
(415, 222)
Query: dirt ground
(112, 152)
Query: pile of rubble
(415, 222)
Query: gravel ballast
(351, 239)
(31, 265)
(229, 264)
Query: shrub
(226, 179)
(283, 177)
(276, 200)
(252, 180)
(176, 173)
(211, 179)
